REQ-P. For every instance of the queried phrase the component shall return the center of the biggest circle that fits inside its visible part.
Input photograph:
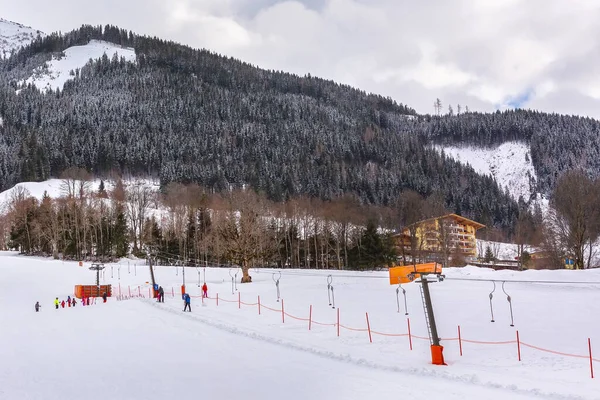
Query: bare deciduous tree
(245, 231)
(410, 209)
(576, 216)
(138, 198)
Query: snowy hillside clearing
(510, 164)
(221, 351)
(13, 36)
(54, 74)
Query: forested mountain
(189, 115)
(557, 143)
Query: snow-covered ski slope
(509, 163)
(59, 70)
(139, 349)
(13, 36)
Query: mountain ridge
(13, 36)
(278, 132)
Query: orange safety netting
(374, 332)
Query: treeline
(187, 223)
(191, 224)
(191, 116)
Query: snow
(139, 349)
(13, 36)
(510, 164)
(57, 72)
(500, 250)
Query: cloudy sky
(485, 54)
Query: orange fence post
(119, 289)
(173, 291)
(369, 329)
(310, 317)
(239, 299)
(338, 321)
(409, 335)
(258, 305)
(139, 291)
(282, 312)
(518, 346)
(149, 293)
(217, 299)
(129, 288)
(591, 358)
(459, 341)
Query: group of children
(71, 302)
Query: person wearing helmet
(56, 303)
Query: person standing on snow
(204, 290)
(37, 306)
(56, 303)
(69, 300)
(62, 304)
(74, 302)
(187, 302)
(104, 296)
(161, 294)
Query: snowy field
(139, 349)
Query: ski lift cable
(313, 274)
(447, 278)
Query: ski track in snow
(346, 358)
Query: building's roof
(456, 217)
(464, 220)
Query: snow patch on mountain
(55, 73)
(13, 36)
(510, 164)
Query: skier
(204, 290)
(74, 302)
(69, 300)
(186, 299)
(83, 300)
(62, 304)
(104, 296)
(161, 294)
(87, 301)
(37, 306)
(56, 303)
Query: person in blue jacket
(187, 300)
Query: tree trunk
(246, 278)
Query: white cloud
(480, 53)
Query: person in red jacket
(204, 290)
(62, 304)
